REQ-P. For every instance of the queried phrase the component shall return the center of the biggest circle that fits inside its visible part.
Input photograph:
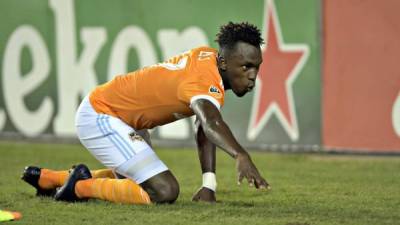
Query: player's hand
(204, 195)
(246, 169)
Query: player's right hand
(246, 169)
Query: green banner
(54, 52)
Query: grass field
(306, 189)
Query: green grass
(306, 189)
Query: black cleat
(67, 191)
(31, 176)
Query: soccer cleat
(31, 176)
(67, 191)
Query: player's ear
(222, 63)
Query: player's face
(242, 65)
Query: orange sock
(50, 179)
(114, 190)
(102, 173)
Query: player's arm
(207, 156)
(218, 132)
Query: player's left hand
(246, 169)
(205, 195)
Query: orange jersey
(162, 93)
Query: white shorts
(115, 144)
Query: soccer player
(112, 123)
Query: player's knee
(162, 188)
(168, 193)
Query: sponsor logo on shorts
(135, 137)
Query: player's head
(239, 56)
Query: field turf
(306, 189)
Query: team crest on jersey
(215, 91)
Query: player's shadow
(247, 198)
(244, 204)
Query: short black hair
(231, 33)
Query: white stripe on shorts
(105, 127)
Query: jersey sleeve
(193, 90)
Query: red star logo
(280, 68)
